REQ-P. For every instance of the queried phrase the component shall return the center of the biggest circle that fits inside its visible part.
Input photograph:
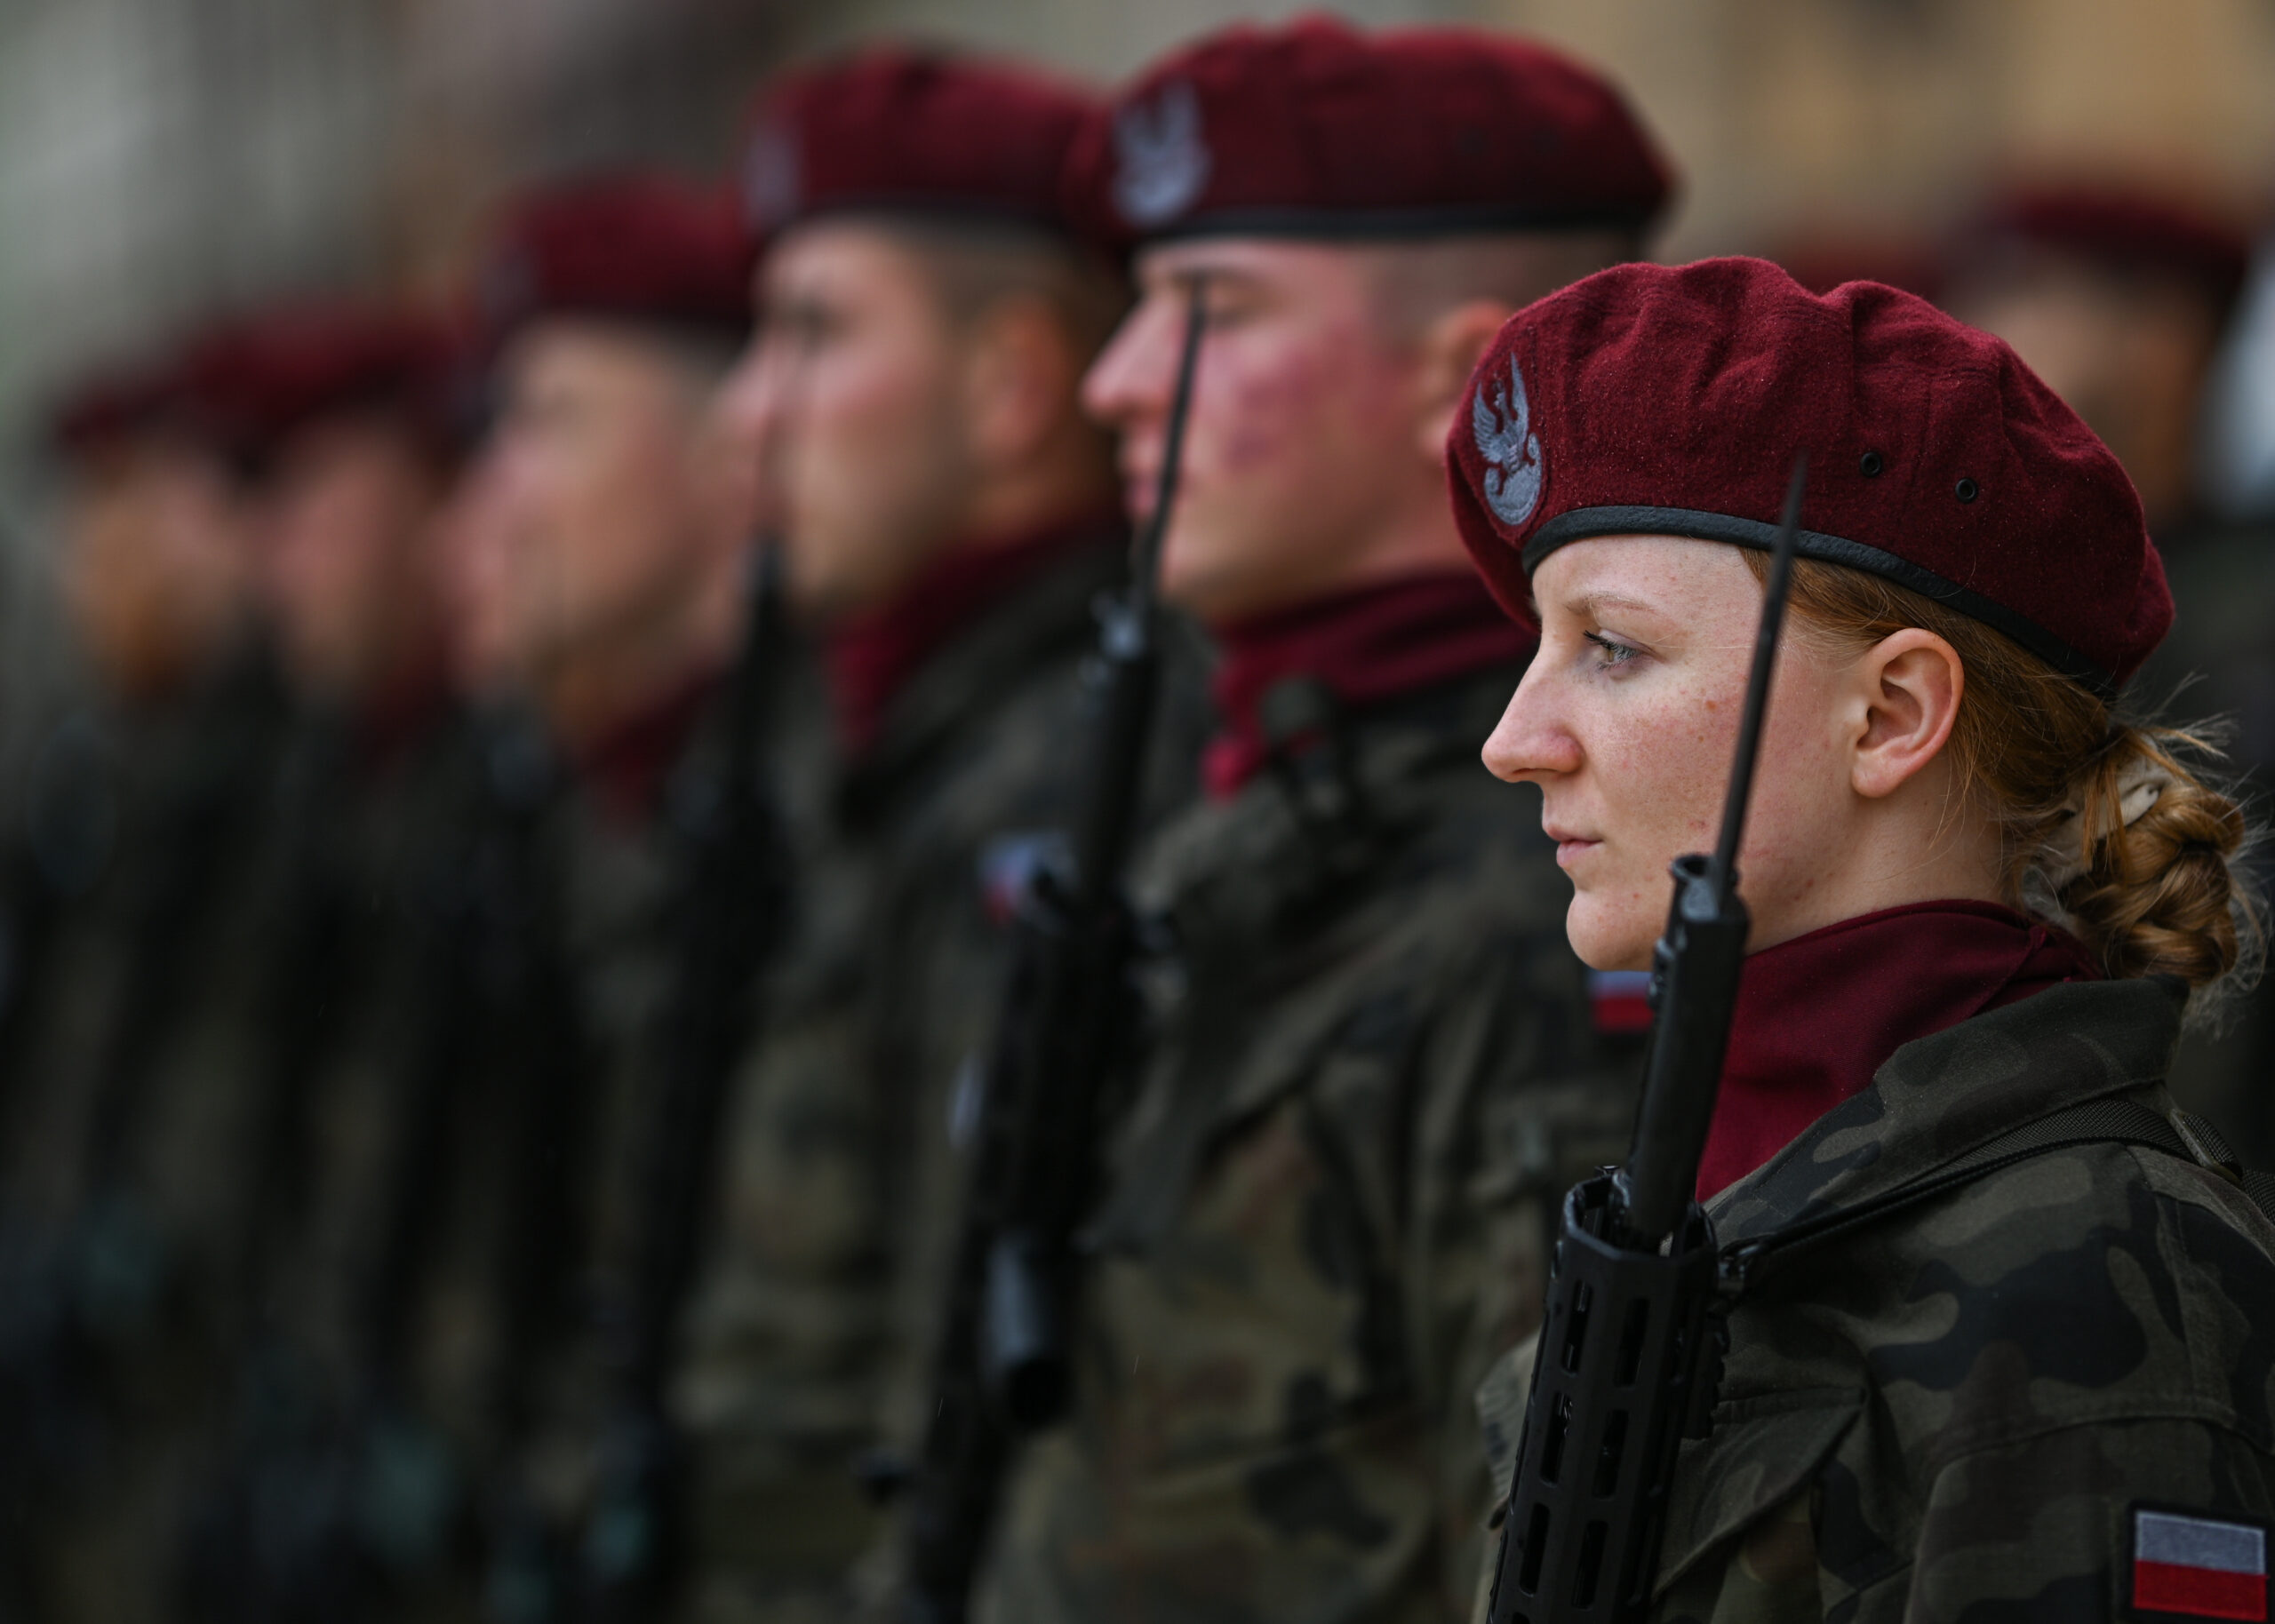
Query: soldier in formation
(1993, 1308)
(1371, 1058)
(947, 517)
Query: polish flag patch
(1620, 1001)
(2186, 1566)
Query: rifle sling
(2103, 1121)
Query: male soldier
(1375, 1065)
(364, 982)
(948, 518)
(145, 826)
(2117, 297)
(616, 305)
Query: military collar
(1237, 868)
(965, 677)
(1941, 1097)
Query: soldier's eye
(1610, 655)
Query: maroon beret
(1315, 130)
(2129, 230)
(641, 247)
(261, 379)
(113, 406)
(1671, 400)
(897, 130)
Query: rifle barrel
(1757, 689)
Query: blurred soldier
(2118, 298)
(610, 594)
(359, 1056)
(948, 517)
(155, 569)
(144, 829)
(1377, 1057)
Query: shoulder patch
(2187, 1565)
(1620, 1001)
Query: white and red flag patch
(1620, 1001)
(2187, 1566)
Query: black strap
(2105, 1121)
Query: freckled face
(1298, 444)
(1627, 719)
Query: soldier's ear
(1020, 377)
(1446, 353)
(1906, 691)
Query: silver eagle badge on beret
(1164, 161)
(1501, 418)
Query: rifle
(329, 1493)
(538, 1049)
(1624, 1373)
(1003, 1362)
(91, 1294)
(728, 916)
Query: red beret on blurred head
(1315, 130)
(111, 407)
(637, 247)
(261, 379)
(2129, 230)
(1671, 400)
(897, 131)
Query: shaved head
(1416, 283)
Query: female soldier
(1981, 898)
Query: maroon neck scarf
(1366, 645)
(871, 655)
(1818, 1014)
(626, 767)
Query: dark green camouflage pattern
(810, 1332)
(1948, 1414)
(1378, 1065)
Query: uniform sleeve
(2127, 1520)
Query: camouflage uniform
(1952, 1412)
(1325, 1210)
(818, 1304)
(332, 1158)
(615, 866)
(132, 1089)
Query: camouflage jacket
(840, 1194)
(1324, 1213)
(1959, 1411)
(133, 1083)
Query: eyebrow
(1220, 274)
(1584, 602)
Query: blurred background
(163, 158)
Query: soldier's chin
(1608, 933)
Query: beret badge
(1163, 159)
(1500, 417)
(771, 178)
